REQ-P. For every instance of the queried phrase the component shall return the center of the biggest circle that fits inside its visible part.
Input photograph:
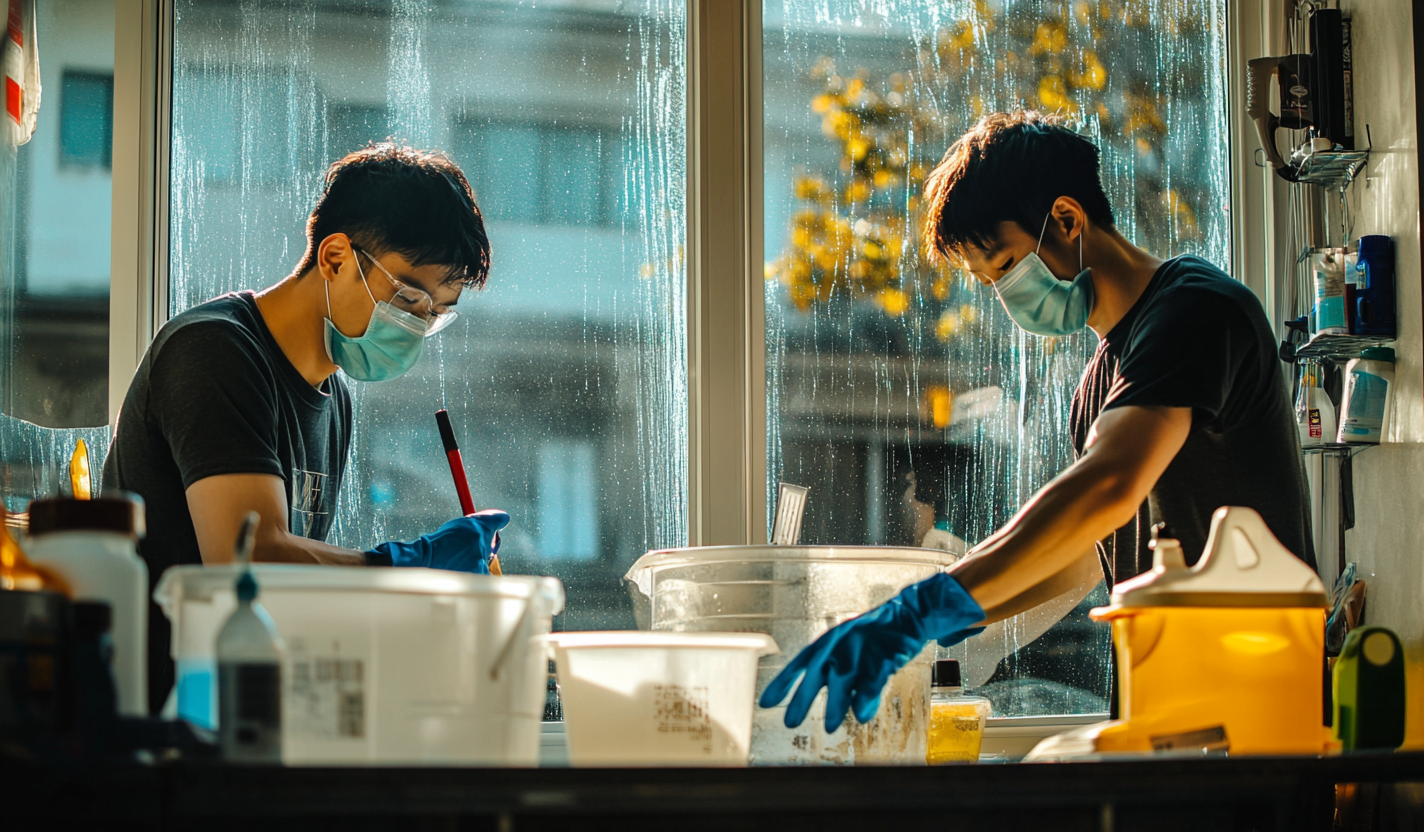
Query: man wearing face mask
(237, 406)
(1181, 410)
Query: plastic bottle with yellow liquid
(956, 721)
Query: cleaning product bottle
(91, 544)
(1370, 298)
(1327, 265)
(249, 658)
(95, 694)
(957, 721)
(1370, 690)
(1314, 414)
(1369, 389)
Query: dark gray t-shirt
(1198, 339)
(214, 395)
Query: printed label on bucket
(327, 695)
(683, 710)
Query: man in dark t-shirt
(1197, 339)
(237, 408)
(1183, 409)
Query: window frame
(726, 359)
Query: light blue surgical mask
(1041, 303)
(388, 348)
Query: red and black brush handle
(457, 464)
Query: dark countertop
(1158, 794)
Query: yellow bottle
(80, 484)
(956, 721)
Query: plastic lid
(764, 644)
(201, 583)
(1368, 353)
(946, 674)
(641, 573)
(1244, 565)
(116, 511)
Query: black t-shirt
(214, 395)
(1196, 338)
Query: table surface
(189, 795)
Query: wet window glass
(901, 393)
(565, 378)
(54, 257)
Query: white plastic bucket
(636, 698)
(390, 666)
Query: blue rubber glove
(463, 544)
(855, 659)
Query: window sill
(1006, 740)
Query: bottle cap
(246, 586)
(946, 674)
(1378, 354)
(1372, 243)
(116, 511)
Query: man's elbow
(271, 544)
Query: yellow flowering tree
(855, 231)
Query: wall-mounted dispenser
(1315, 94)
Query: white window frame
(725, 251)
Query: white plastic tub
(389, 666)
(636, 698)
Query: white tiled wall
(1388, 538)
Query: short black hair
(417, 203)
(1010, 167)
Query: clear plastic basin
(793, 594)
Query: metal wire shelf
(1332, 347)
(1334, 449)
(1329, 168)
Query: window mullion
(138, 258)
(726, 340)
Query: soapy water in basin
(895, 735)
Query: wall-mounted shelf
(1330, 347)
(1334, 449)
(1331, 168)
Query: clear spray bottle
(249, 655)
(1314, 414)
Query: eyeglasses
(416, 301)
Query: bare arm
(218, 505)
(1128, 449)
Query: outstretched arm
(1044, 545)
(218, 505)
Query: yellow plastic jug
(1227, 655)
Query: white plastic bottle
(1369, 392)
(249, 659)
(91, 544)
(1314, 414)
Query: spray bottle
(249, 658)
(1314, 414)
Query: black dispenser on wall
(1315, 92)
